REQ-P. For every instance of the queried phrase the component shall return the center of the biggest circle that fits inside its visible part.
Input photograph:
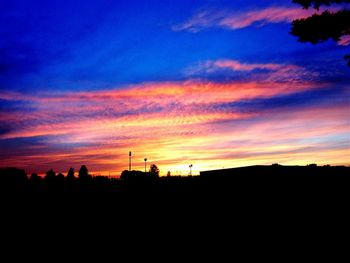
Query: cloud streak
(235, 65)
(173, 123)
(268, 72)
(233, 20)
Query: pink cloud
(174, 123)
(283, 136)
(265, 16)
(344, 41)
(237, 20)
(272, 72)
(235, 65)
(90, 116)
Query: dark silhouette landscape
(216, 83)
(254, 199)
(254, 181)
(249, 204)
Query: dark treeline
(17, 181)
(256, 180)
(248, 200)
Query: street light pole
(130, 161)
(145, 164)
(190, 169)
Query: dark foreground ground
(270, 186)
(262, 212)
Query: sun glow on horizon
(173, 131)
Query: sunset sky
(210, 83)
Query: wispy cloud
(172, 123)
(344, 40)
(235, 65)
(272, 72)
(234, 20)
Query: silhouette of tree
(50, 174)
(84, 173)
(12, 177)
(347, 57)
(70, 174)
(154, 170)
(317, 3)
(34, 177)
(322, 27)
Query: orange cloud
(147, 105)
(175, 124)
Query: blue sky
(98, 44)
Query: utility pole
(130, 161)
(145, 164)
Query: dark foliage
(34, 178)
(347, 57)
(70, 174)
(50, 176)
(84, 173)
(154, 170)
(12, 179)
(320, 28)
(317, 3)
(258, 196)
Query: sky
(216, 84)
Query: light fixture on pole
(130, 161)
(191, 165)
(145, 163)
